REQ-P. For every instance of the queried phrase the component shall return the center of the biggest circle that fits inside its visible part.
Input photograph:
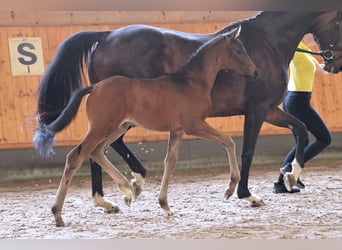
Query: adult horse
(178, 103)
(141, 51)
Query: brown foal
(178, 103)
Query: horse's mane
(235, 24)
(181, 73)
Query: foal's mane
(196, 59)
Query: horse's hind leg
(73, 163)
(98, 199)
(138, 170)
(282, 119)
(99, 156)
(138, 173)
(203, 130)
(175, 138)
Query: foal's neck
(204, 65)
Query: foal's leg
(175, 137)
(99, 156)
(137, 183)
(73, 163)
(138, 170)
(204, 130)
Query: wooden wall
(18, 93)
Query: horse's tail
(64, 74)
(45, 134)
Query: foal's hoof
(170, 213)
(255, 201)
(228, 194)
(128, 201)
(60, 223)
(113, 210)
(136, 189)
(136, 185)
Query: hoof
(279, 188)
(288, 168)
(128, 201)
(99, 201)
(136, 185)
(60, 223)
(289, 181)
(228, 194)
(113, 210)
(255, 201)
(169, 213)
(136, 189)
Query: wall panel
(18, 93)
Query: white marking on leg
(255, 200)
(296, 169)
(137, 184)
(290, 179)
(99, 201)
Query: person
(297, 103)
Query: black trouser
(298, 105)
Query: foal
(178, 103)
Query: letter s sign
(25, 49)
(26, 56)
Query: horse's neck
(284, 30)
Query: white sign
(26, 56)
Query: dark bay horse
(178, 102)
(270, 38)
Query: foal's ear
(236, 32)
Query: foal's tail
(45, 134)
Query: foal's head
(237, 58)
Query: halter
(329, 54)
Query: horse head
(327, 32)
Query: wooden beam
(67, 18)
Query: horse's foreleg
(251, 131)
(175, 138)
(73, 162)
